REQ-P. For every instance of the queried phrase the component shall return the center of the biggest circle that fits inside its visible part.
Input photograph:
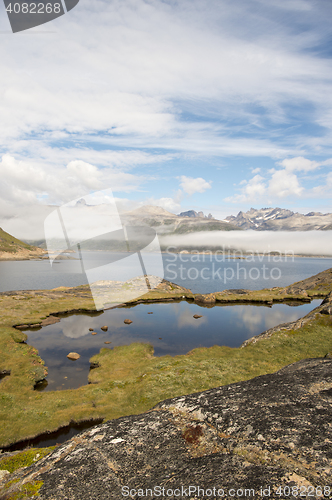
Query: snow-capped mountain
(278, 219)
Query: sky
(216, 106)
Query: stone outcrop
(274, 430)
(318, 282)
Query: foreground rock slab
(269, 432)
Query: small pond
(171, 329)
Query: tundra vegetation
(130, 379)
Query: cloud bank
(298, 242)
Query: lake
(201, 273)
(171, 329)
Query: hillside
(279, 219)
(13, 249)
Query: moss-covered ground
(24, 458)
(130, 379)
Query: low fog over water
(297, 242)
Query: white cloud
(253, 189)
(86, 173)
(25, 182)
(299, 163)
(174, 77)
(143, 69)
(191, 186)
(284, 183)
(256, 170)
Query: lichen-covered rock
(3, 474)
(274, 430)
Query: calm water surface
(200, 273)
(171, 329)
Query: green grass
(26, 490)
(10, 244)
(130, 380)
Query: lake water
(200, 273)
(171, 329)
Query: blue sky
(214, 106)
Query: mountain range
(263, 219)
(280, 219)
(165, 222)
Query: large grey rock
(274, 430)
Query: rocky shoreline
(24, 254)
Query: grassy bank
(130, 379)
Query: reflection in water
(171, 329)
(247, 317)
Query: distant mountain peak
(277, 219)
(195, 215)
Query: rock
(127, 321)
(91, 329)
(197, 316)
(150, 312)
(51, 320)
(238, 291)
(107, 342)
(274, 430)
(205, 299)
(94, 365)
(3, 474)
(73, 356)
(327, 310)
(327, 305)
(93, 333)
(104, 328)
